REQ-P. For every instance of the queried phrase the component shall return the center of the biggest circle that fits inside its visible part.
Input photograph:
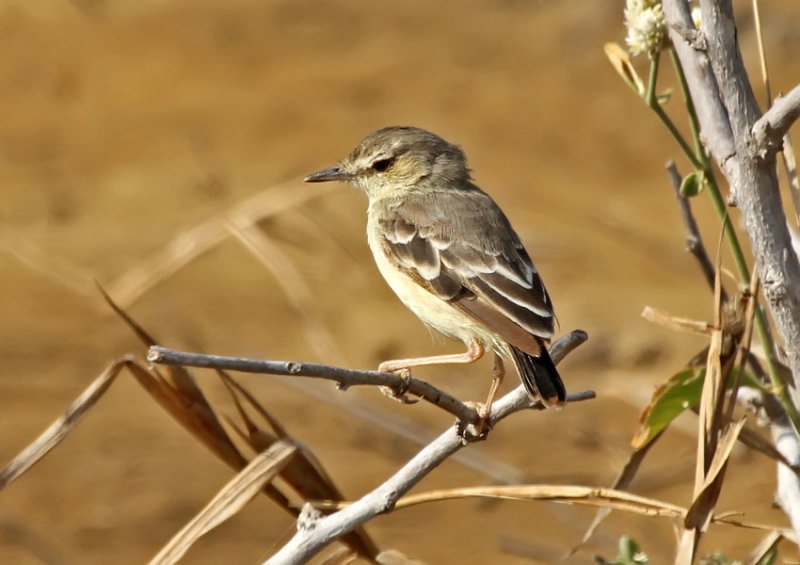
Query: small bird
(451, 256)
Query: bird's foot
(480, 429)
(399, 392)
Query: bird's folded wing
(489, 277)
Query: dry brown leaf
(179, 377)
(59, 429)
(228, 501)
(706, 444)
(304, 473)
(198, 418)
(698, 516)
(621, 62)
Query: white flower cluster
(646, 26)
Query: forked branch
(316, 531)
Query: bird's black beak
(331, 173)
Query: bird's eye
(382, 164)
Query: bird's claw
(399, 392)
(479, 430)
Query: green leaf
(680, 392)
(692, 184)
(630, 553)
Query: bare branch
(720, 90)
(344, 378)
(317, 531)
(689, 44)
(399, 384)
(788, 493)
(694, 241)
(770, 128)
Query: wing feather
(459, 258)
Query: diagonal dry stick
(694, 241)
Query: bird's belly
(433, 311)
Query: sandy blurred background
(126, 124)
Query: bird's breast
(436, 313)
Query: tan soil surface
(125, 124)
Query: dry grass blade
(198, 419)
(761, 52)
(712, 457)
(729, 520)
(304, 473)
(192, 243)
(181, 397)
(179, 377)
(696, 516)
(341, 556)
(566, 494)
(622, 481)
(706, 444)
(292, 283)
(675, 322)
(743, 344)
(790, 166)
(59, 429)
(228, 501)
(767, 545)
(53, 267)
(394, 557)
(789, 161)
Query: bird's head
(397, 160)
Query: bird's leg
(498, 373)
(474, 352)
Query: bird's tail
(540, 377)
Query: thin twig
(694, 241)
(770, 128)
(345, 378)
(316, 531)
